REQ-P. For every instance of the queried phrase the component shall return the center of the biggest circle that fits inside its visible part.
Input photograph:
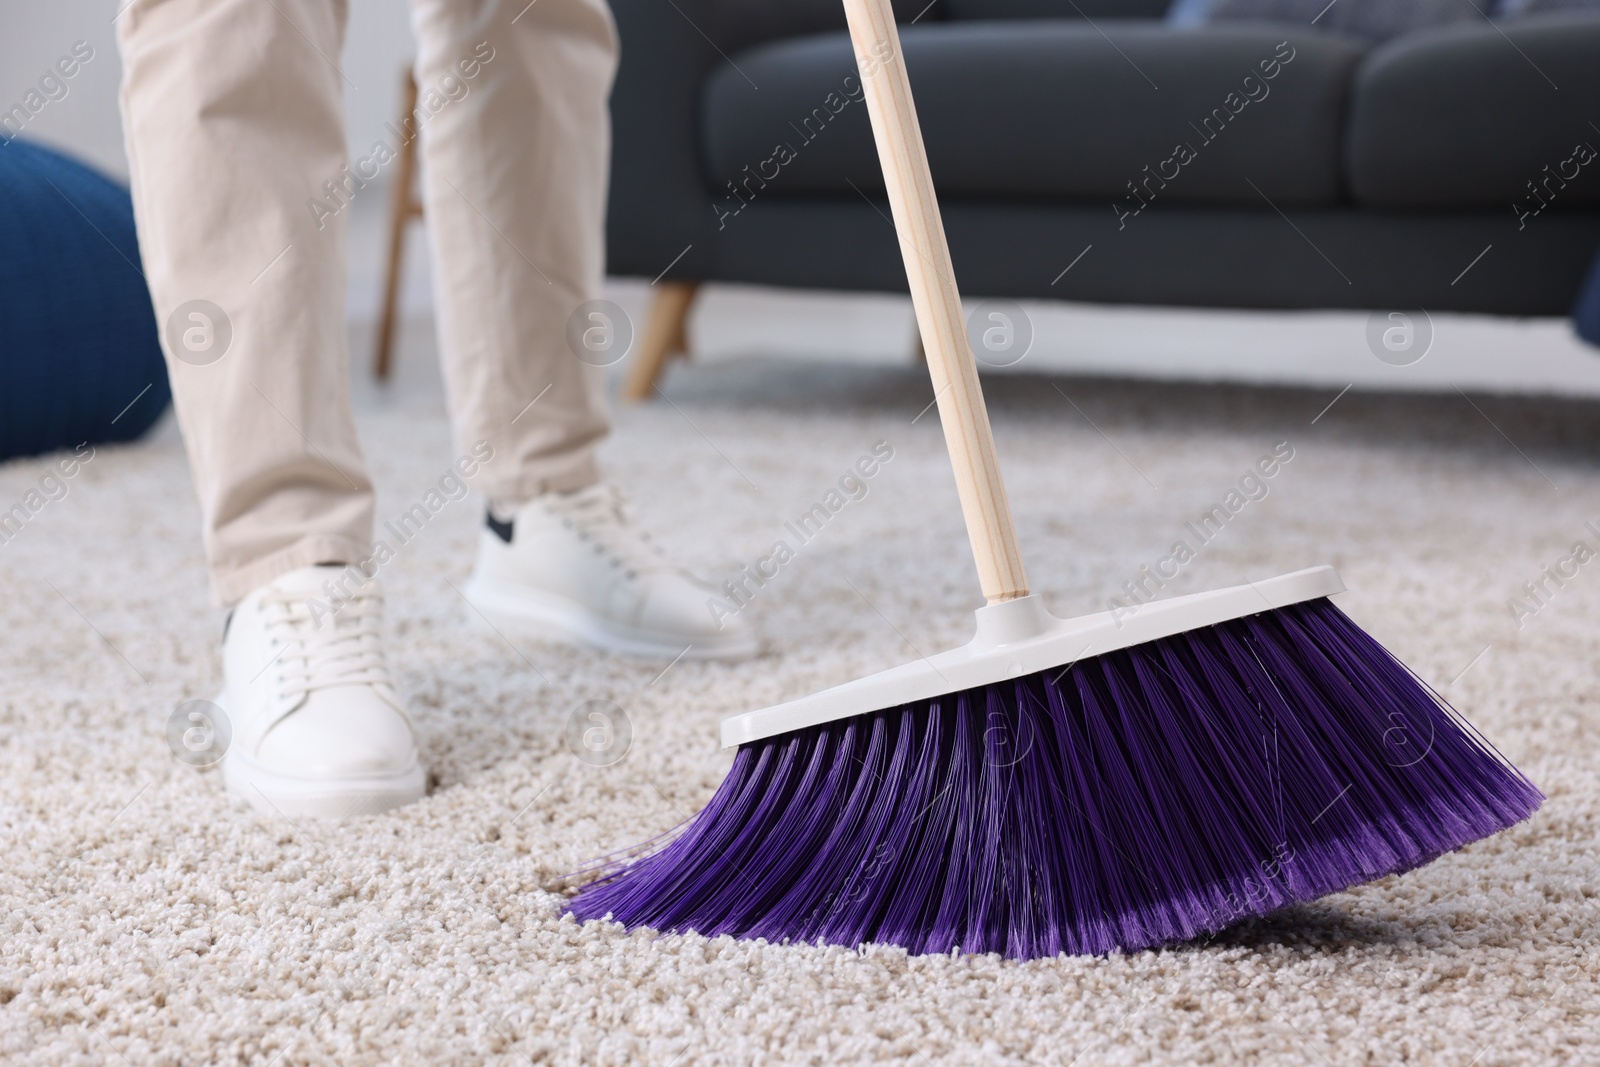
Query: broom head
(1083, 786)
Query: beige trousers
(242, 187)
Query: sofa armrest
(660, 200)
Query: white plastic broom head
(1020, 637)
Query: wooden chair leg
(403, 207)
(664, 336)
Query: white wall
(86, 123)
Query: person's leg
(231, 110)
(516, 145)
(233, 121)
(516, 149)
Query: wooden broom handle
(938, 304)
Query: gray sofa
(1321, 171)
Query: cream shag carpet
(147, 920)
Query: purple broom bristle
(1146, 796)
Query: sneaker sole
(559, 619)
(273, 793)
(326, 798)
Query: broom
(1080, 786)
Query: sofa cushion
(1470, 116)
(1052, 109)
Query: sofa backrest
(819, 16)
(735, 24)
(1055, 9)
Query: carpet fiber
(146, 919)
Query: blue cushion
(1514, 8)
(1586, 312)
(80, 359)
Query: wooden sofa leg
(403, 207)
(664, 337)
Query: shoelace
(599, 514)
(323, 650)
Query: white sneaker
(318, 729)
(573, 567)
